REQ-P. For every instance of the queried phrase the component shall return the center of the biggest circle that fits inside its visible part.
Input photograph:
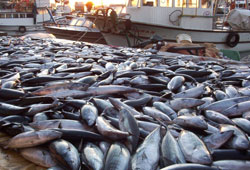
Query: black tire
(232, 39)
(22, 29)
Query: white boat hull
(144, 32)
(14, 30)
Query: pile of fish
(85, 106)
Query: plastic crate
(234, 55)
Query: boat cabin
(23, 15)
(193, 14)
(81, 22)
(26, 12)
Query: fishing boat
(139, 20)
(18, 17)
(79, 29)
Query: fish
(11, 93)
(39, 156)
(93, 156)
(180, 103)
(118, 157)
(76, 135)
(62, 90)
(239, 141)
(231, 164)
(165, 109)
(222, 105)
(107, 130)
(218, 117)
(230, 154)
(65, 153)
(128, 123)
(42, 80)
(193, 149)
(156, 114)
(188, 121)
(101, 104)
(237, 109)
(143, 158)
(189, 166)
(9, 109)
(119, 105)
(33, 138)
(103, 100)
(243, 124)
(191, 93)
(216, 140)
(171, 151)
(89, 113)
(175, 83)
(109, 89)
(60, 123)
(36, 108)
(138, 102)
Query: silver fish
(33, 138)
(143, 158)
(193, 148)
(128, 123)
(188, 121)
(39, 156)
(175, 83)
(231, 164)
(191, 93)
(216, 140)
(243, 124)
(107, 130)
(180, 103)
(93, 156)
(89, 113)
(171, 151)
(239, 141)
(118, 157)
(65, 153)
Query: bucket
(183, 38)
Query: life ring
(22, 29)
(232, 39)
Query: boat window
(29, 15)
(193, 3)
(180, 3)
(166, 3)
(134, 3)
(2, 15)
(42, 11)
(22, 15)
(73, 22)
(8, 16)
(149, 2)
(206, 3)
(87, 23)
(79, 23)
(15, 16)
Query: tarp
(239, 19)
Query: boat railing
(7, 15)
